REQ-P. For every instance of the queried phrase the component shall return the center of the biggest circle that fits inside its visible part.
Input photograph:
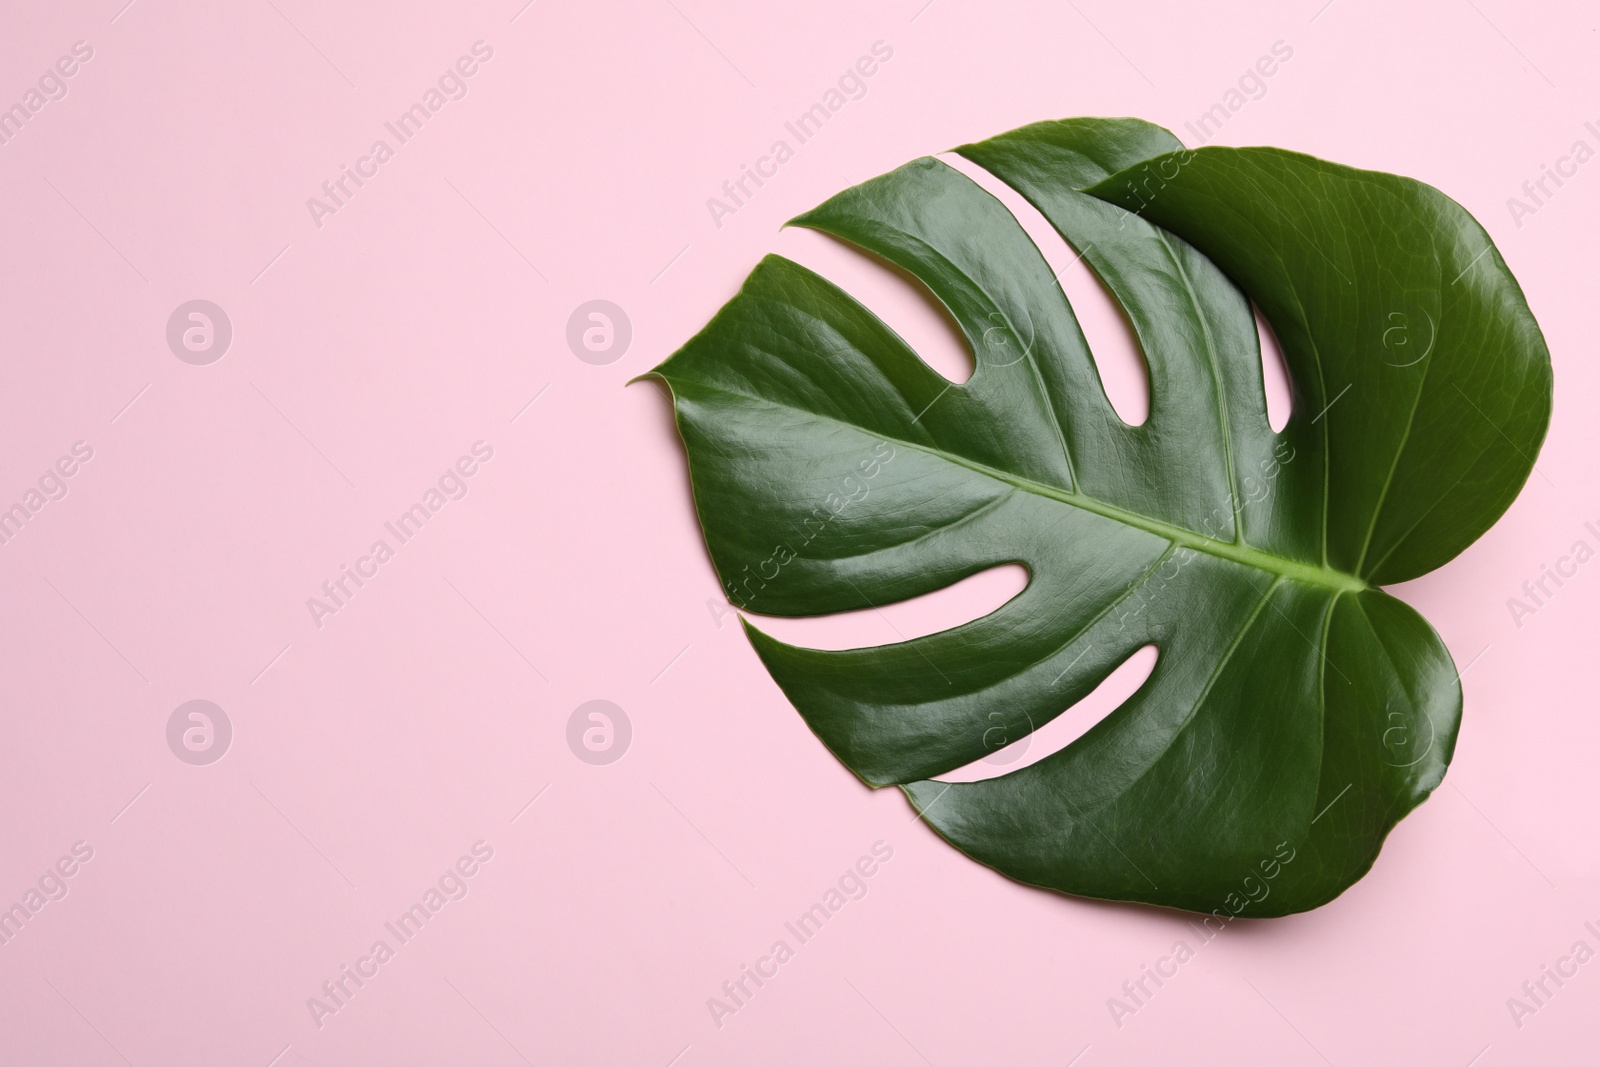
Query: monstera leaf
(1295, 712)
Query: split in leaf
(1295, 709)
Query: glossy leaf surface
(1295, 709)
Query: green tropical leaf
(1295, 712)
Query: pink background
(372, 351)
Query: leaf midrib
(1236, 552)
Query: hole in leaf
(896, 296)
(1274, 374)
(1106, 327)
(943, 609)
(1065, 728)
